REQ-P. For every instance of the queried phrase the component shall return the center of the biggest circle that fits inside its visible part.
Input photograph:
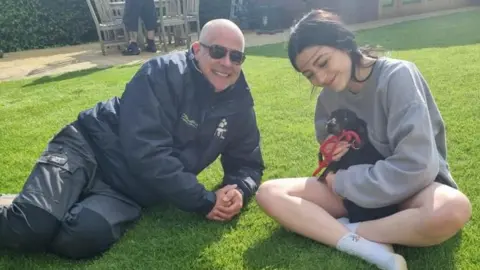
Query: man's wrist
(241, 191)
(209, 200)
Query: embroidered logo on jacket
(189, 122)
(221, 129)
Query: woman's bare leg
(315, 208)
(430, 217)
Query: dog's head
(340, 120)
(343, 119)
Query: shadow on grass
(64, 76)
(456, 29)
(286, 250)
(436, 257)
(165, 238)
(274, 252)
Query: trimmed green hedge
(31, 24)
(34, 24)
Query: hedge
(34, 24)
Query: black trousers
(65, 207)
(135, 9)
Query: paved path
(52, 61)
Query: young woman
(404, 124)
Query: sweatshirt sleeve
(146, 122)
(414, 163)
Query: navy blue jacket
(167, 127)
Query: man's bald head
(221, 29)
(219, 52)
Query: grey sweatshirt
(404, 125)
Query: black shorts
(144, 9)
(360, 214)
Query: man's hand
(234, 201)
(229, 203)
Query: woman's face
(325, 66)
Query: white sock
(351, 226)
(369, 251)
(343, 220)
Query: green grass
(445, 49)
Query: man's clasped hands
(228, 204)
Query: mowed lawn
(447, 51)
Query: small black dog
(363, 153)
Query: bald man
(177, 115)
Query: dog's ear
(349, 122)
(362, 130)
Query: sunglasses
(219, 52)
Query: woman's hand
(330, 181)
(340, 149)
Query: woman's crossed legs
(311, 209)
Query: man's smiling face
(222, 72)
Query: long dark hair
(320, 27)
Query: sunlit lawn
(447, 51)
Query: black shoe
(132, 49)
(151, 46)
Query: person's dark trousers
(133, 10)
(144, 9)
(64, 206)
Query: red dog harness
(346, 135)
